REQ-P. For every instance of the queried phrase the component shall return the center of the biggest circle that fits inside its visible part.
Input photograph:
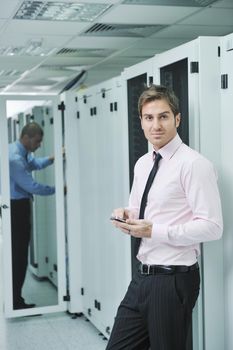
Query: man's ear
(177, 119)
(141, 122)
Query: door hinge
(108, 330)
(194, 67)
(61, 106)
(66, 297)
(151, 80)
(35, 265)
(224, 81)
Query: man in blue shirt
(22, 188)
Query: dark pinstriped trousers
(155, 312)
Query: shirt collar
(21, 148)
(170, 148)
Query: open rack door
(46, 265)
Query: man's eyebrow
(165, 112)
(159, 114)
(147, 114)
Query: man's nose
(156, 123)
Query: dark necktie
(145, 195)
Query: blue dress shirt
(22, 163)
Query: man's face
(34, 143)
(159, 123)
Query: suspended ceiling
(45, 44)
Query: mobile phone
(116, 218)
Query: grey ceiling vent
(69, 52)
(190, 3)
(124, 30)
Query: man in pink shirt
(181, 209)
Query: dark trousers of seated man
(20, 238)
(156, 312)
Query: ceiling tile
(195, 3)
(92, 42)
(25, 63)
(8, 8)
(138, 52)
(41, 28)
(72, 61)
(151, 14)
(224, 4)
(158, 43)
(2, 23)
(192, 32)
(211, 16)
(50, 41)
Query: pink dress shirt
(183, 205)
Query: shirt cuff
(49, 161)
(160, 233)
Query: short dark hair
(32, 129)
(159, 92)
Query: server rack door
(115, 256)
(60, 304)
(87, 140)
(50, 200)
(138, 145)
(175, 76)
(203, 110)
(73, 204)
(226, 176)
(172, 70)
(38, 243)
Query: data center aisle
(47, 332)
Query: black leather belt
(166, 269)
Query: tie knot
(157, 157)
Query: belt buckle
(169, 269)
(145, 272)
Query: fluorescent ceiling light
(32, 48)
(60, 11)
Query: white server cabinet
(102, 162)
(69, 106)
(225, 132)
(203, 91)
(199, 61)
(134, 81)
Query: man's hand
(121, 213)
(135, 228)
